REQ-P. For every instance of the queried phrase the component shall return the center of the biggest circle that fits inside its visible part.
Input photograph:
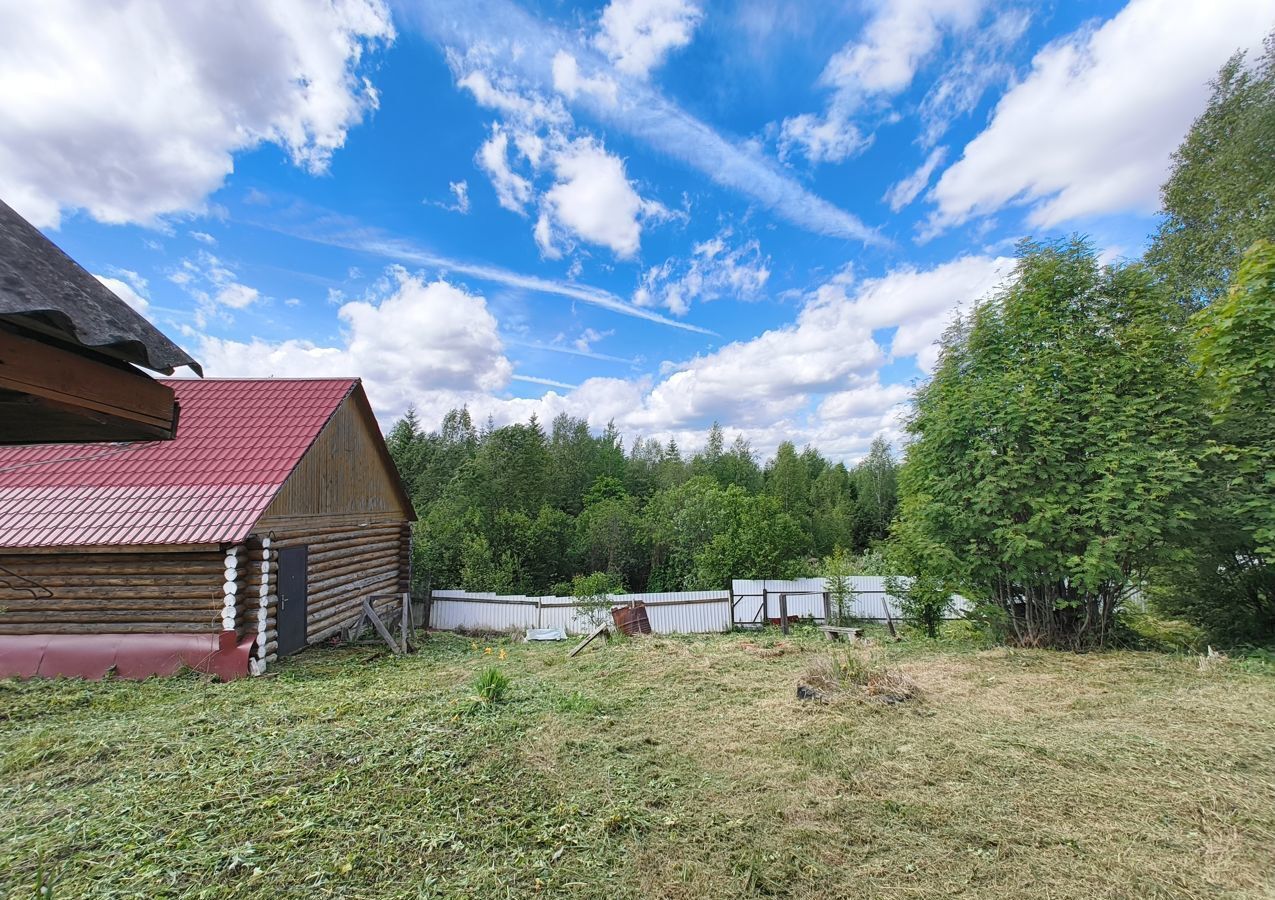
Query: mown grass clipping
(656, 767)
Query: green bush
(492, 686)
(836, 571)
(924, 601)
(1141, 629)
(592, 595)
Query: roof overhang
(53, 392)
(68, 351)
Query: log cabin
(70, 348)
(259, 530)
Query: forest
(524, 509)
(1095, 446)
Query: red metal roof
(237, 442)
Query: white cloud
(237, 296)
(714, 269)
(869, 399)
(499, 94)
(214, 286)
(546, 382)
(905, 191)
(920, 303)
(365, 240)
(831, 137)
(421, 340)
(590, 336)
(543, 233)
(126, 292)
(980, 64)
(766, 378)
(133, 111)
(204, 238)
(638, 34)
(812, 380)
(1091, 129)
(570, 82)
(592, 199)
(882, 62)
(460, 191)
(513, 191)
(500, 34)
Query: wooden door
(292, 600)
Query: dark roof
(44, 289)
(239, 441)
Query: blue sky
(657, 212)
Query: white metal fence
(757, 601)
(747, 603)
(685, 612)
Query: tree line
(525, 509)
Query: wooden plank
(346, 473)
(601, 629)
(75, 381)
(375, 619)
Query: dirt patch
(772, 651)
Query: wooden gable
(346, 476)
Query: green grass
(656, 767)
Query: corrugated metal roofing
(237, 442)
(39, 284)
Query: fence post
(827, 610)
(783, 613)
(730, 595)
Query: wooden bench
(838, 633)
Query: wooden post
(783, 613)
(889, 620)
(827, 609)
(405, 625)
(730, 592)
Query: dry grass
(658, 767)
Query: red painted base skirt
(132, 656)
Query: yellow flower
(487, 650)
(504, 654)
(473, 645)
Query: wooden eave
(55, 392)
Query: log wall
(345, 564)
(113, 593)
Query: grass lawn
(659, 767)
